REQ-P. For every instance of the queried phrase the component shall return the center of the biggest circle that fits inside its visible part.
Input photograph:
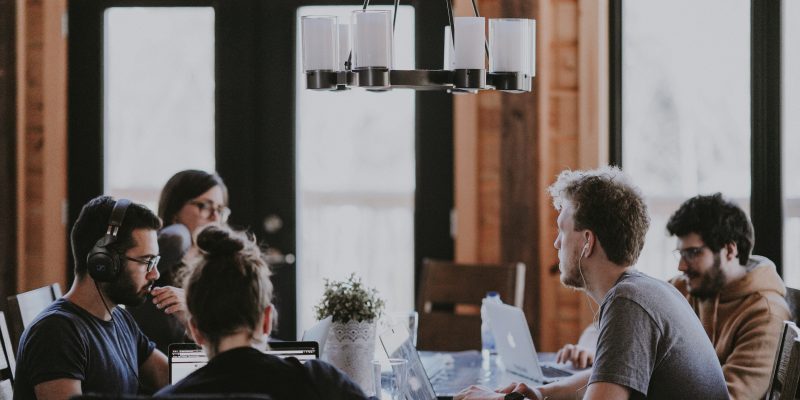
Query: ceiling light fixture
(359, 54)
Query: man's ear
(588, 243)
(268, 320)
(195, 333)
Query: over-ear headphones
(103, 263)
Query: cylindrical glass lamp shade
(470, 42)
(532, 62)
(320, 43)
(344, 46)
(372, 39)
(449, 51)
(511, 45)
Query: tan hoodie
(744, 322)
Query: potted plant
(354, 309)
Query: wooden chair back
(786, 369)
(24, 307)
(450, 297)
(793, 300)
(7, 361)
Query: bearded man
(83, 342)
(738, 297)
(650, 345)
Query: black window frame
(259, 83)
(766, 195)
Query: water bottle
(487, 339)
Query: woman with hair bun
(229, 298)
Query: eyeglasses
(208, 208)
(688, 254)
(150, 262)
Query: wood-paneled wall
(509, 148)
(41, 143)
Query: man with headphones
(650, 343)
(83, 342)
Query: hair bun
(218, 241)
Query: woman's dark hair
(717, 221)
(184, 186)
(229, 285)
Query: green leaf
(349, 301)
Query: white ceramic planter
(351, 348)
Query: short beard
(712, 282)
(573, 278)
(124, 291)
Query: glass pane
(356, 181)
(686, 108)
(159, 97)
(791, 141)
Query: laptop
(515, 345)
(318, 333)
(185, 358)
(396, 342)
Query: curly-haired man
(738, 297)
(650, 344)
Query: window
(790, 142)
(686, 109)
(356, 181)
(159, 97)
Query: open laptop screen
(303, 351)
(397, 343)
(185, 358)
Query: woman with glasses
(190, 200)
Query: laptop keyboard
(552, 372)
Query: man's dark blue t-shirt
(67, 342)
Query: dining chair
(450, 297)
(7, 361)
(793, 300)
(786, 369)
(24, 307)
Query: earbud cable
(595, 314)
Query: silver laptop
(515, 345)
(396, 342)
(318, 333)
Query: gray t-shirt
(651, 342)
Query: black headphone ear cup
(103, 265)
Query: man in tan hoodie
(739, 298)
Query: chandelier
(340, 56)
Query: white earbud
(585, 246)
